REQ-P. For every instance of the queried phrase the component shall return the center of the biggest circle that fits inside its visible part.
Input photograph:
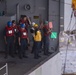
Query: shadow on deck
(22, 66)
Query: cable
(64, 69)
(68, 28)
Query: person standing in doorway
(25, 20)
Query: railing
(5, 66)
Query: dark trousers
(16, 46)
(9, 46)
(22, 50)
(33, 47)
(46, 44)
(36, 48)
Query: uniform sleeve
(4, 32)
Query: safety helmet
(9, 23)
(46, 23)
(22, 25)
(33, 23)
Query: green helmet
(46, 23)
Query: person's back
(37, 36)
(37, 41)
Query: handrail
(5, 66)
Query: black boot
(20, 57)
(25, 56)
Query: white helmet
(33, 23)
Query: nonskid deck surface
(18, 66)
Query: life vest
(23, 34)
(15, 28)
(37, 36)
(46, 27)
(9, 31)
(18, 27)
